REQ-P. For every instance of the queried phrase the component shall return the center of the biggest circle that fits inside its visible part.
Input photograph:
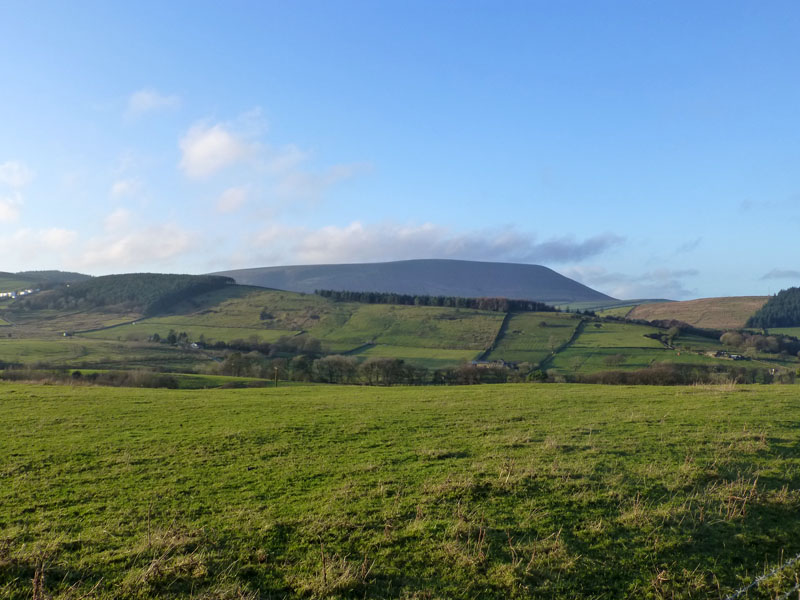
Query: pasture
(431, 358)
(531, 337)
(514, 491)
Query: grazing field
(531, 337)
(420, 326)
(623, 346)
(616, 311)
(616, 335)
(100, 354)
(431, 358)
(145, 328)
(516, 491)
(712, 313)
(792, 331)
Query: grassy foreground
(534, 491)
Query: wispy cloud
(35, 247)
(689, 246)
(10, 207)
(149, 100)
(310, 186)
(15, 174)
(358, 242)
(124, 247)
(781, 274)
(658, 283)
(123, 188)
(232, 199)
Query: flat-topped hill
(433, 277)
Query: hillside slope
(712, 313)
(434, 277)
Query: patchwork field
(419, 326)
(712, 313)
(516, 491)
(531, 337)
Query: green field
(792, 331)
(617, 311)
(516, 491)
(145, 328)
(623, 346)
(531, 337)
(419, 326)
(87, 353)
(616, 335)
(431, 358)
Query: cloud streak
(359, 242)
(150, 100)
(781, 274)
(658, 283)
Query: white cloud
(124, 188)
(148, 100)
(358, 242)
(659, 283)
(232, 199)
(207, 149)
(9, 207)
(15, 174)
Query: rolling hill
(711, 313)
(433, 277)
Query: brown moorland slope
(714, 313)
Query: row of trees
(336, 368)
(773, 344)
(678, 374)
(491, 304)
(284, 345)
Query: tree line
(490, 304)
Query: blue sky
(648, 149)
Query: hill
(144, 292)
(711, 313)
(433, 277)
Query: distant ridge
(435, 277)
